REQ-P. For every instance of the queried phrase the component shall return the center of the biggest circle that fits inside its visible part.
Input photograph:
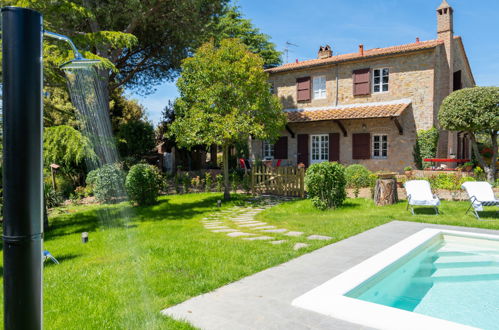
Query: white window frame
(380, 146)
(323, 148)
(381, 84)
(319, 89)
(268, 150)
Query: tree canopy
(475, 111)
(225, 98)
(143, 42)
(65, 146)
(232, 25)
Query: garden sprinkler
(22, 68)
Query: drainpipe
(22, 168)
(337, 87)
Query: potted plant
(468, 166)
(408, 171)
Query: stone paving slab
(253, 224)
(298, 246)
(281, 230)
(216, 227)
(239, 233)
(278, 242)
(294, 233)
(263, 300)
(224, 230)
(319, 237)
(258, 238)
(263, 227)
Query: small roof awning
(355, 111)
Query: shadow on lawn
(121, 216)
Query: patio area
(263, 300)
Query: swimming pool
(434, 279)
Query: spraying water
(88, 95)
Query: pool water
(451, 277)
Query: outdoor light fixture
(84, 237)
(219, 203)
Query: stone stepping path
(228, 221)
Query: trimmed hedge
(142, 184)
(326, 185)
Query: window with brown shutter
(303, 92)
(361, 146)
(361, 82)
(334, 147)
(281, 148)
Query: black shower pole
(22, 167)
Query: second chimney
(361, 50)
(325, 52)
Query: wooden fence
(281, 181)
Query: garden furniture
(419, 194)
(480, 194)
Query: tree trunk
(490, 171)
(385, 192)
(225, 150)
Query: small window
(380, 146)
(268, 150)
(319, 86)
(380, 80)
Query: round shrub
(142, 184)
(358, 176)
(326, 184)
(107, 183)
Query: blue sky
(344, 24)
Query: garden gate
(281, 181)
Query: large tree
(232, 25)
(225, 98)
(142, 42)
(475, 111)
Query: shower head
(79, 62)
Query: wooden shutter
(334, 147)
(361, 82)
(361, 146)
(281, 148)
(303, 92)
(303, 149)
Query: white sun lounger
(419, 194)
(480, 194)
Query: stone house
(366, 107)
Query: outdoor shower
(22, 41)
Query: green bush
(425, 147)
(142, 184)
(220, 182)
(208, 181)
(107, 183)
(448, 181)
(357, 176)
(52, 197)
(326, 184)
(64, 184)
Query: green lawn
(141, 260)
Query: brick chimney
(445, 32)
(361, 50)
(324, 52)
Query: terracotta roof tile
(354, 112)
(355, 56)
